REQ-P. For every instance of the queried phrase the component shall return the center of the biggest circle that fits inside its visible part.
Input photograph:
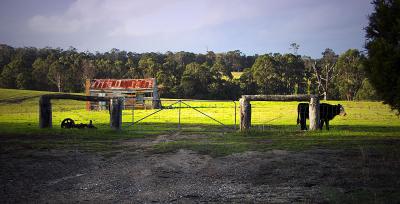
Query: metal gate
(211, 116)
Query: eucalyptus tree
(6, 53)
(233, 60)
(56, 75)
(39, 74)
(221, 67)
(265, 75)
(195, 80)
(291, 71)
(351, 74)
(325, 72)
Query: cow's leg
(321, 124)
(303, 121)
(327, 124)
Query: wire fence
(266, 115)
(76, 110)
(198, 115)
(186, 115)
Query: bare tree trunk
(59, 83)
(326, 85)
(323, 82)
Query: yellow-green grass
(236, 75)
(368, 127)
(365, 122)
(265, 115)
(16, 94)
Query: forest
(191, 75)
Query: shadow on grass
(103, 129)
(289, 137)
(217, 142)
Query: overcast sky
(252, 26)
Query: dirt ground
(184, 176)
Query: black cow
(326, 113)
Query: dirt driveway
(184, 176)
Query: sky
(251, 26)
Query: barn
(138, 93)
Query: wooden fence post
(156, 103)
(45, 115)
(116, 113)
(245, 114)
(313, 110)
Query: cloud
(142, 18)
(192, 25)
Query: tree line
(190, 75)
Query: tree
(350, 73)
(266, 76)
(220, 67)
(291, 71)
(71, 75)
(195, 80)
(182, 59)
(23, 80)
(310, 81)
(88, 69)
(6, 53)
(324, 71)
(56, 75)
(10, 72)
(167, 77)
(18, 73)
(149, 66)
(233, 60)
(295, 47)
(247, 83)
(383, 46)
(39, 74)
(366, 92)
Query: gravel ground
(277, 176)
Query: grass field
(19, 116)
(370, 131)
(270, 120)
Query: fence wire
(266, 115)
(198, 115)
(185, 115)
(76, 110)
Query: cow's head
(341, 110)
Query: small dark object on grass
(69, 123)
(80, 126)
(90, 125)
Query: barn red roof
(122, 83)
